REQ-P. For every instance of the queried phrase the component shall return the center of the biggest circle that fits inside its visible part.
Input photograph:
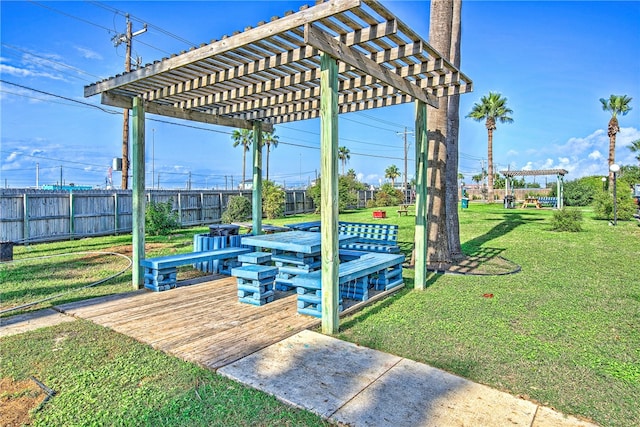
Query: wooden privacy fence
(28, 215)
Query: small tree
(603, 206)
(238, 209)
(160, 219)
(273, 199)
(348, 187)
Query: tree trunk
(438, 251)
(244, 165)
(612, 130)
(490, 165)
(453, 123)
(268, 150)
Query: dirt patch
(128, 249)
(18, 399)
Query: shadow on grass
(510, 222)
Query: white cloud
(88, 53)
(595, 155)
(528, 166)
(24, 72)
(11, 157)
(512, 153)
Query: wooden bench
(355, 278)
(160, 273)
(371, 237)
(548, 201)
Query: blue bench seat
(355, 278)
(160, 273)
(371, 237)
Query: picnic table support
(256, 203)
(329, 191)
(420, 239)
(138, 196)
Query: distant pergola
(559, 173)
(336, 57)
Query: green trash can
(465, 203)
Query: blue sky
(553, 61)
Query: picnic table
(266, 228)
(531, 201)
(293, 252)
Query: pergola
(559, 173)
(335, 57)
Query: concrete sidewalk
(358, 386)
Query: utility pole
(404, 189)
(117, 41)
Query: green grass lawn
(563, 331)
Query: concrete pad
(30, 321)
(414, 394)
(547, 417)
(311, 371)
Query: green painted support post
(329, 191)
(138, 193)
(256, 194)
(420, 239)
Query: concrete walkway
(357, 386)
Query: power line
(72, 16)
(60, 96)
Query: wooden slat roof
(539, 172)
(271, 72)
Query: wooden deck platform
(203, 323)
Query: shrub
(387, 195)
(238, 209)
(348, 187)
(566, 219)
(603, 206)
(159, 218)
(273, 199)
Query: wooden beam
(138, 193)
(329, 192)
(121, 101)
(319, 11)
(420, 237)
(256, 191)
(322, 41)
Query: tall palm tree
(635, 148)
(492, 108)
(615, 105)
(242, 137)
(270, 139)
(392, 172)
(344, 156)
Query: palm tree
(635, 148)
(615, 105)
(344, 156)
(270, 139)
(392, 172)
(242, 137)
(492, 108)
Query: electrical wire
(30, 304)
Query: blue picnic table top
(305, 226)
(304, 242)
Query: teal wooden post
(329, 191)
(420, 238)
(256, 194)
(138, 193)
